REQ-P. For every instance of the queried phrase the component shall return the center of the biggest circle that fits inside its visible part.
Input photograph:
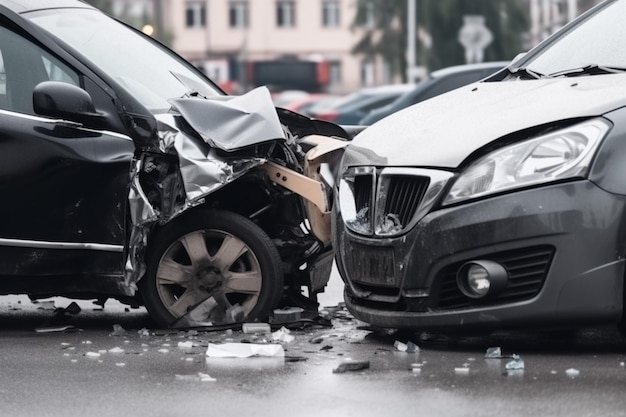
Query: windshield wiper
(593, 69)
(526, 72)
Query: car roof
(21, 6)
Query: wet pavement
(109, 362)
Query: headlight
(562, 154)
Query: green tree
(439, 22)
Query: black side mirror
(65, 101)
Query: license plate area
(373, 266)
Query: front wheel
(211, 268)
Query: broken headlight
(562, 154)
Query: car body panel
(510, 107)
(468, 255)
(114, 145)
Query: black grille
(404, 196)
(363, 191)
(527, 269)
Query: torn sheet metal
(232, 122)
(227, 123)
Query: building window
(195, 14)
(335, 73)
(366, 16)
(368, 72)
(238, 14)
(285, 13)
(331, 14)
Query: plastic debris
(516, 364)
(244, 350)
(572, 372)
(282, 335)
(116, 350)
(45, 305)
(202, 377)
(493, 353)
(118, 330)
(462, 370)
(163, 350)
(351, 366)
(55, 329)
(72, 308)
(92, 354)
(408, 347)
(287, 315)
(185, 345)
(256, 328)
(143, 332)
(416, 367)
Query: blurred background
(310, 51)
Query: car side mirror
(65, 101)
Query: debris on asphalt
(56, 329)
(282, 335)
(493, 353)
(185, 345)
(256, 328)
(118, 330)
(517, 364)
(464, 370)
(408, 347)
(287, 315)
(350, 365)
(116, 350)
(92, 354)
(72, 308)
(244, 350)
(572, 372)
(143, 332)
(202, 377)
(416, 367)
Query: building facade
(235, 41)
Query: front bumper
(562, 245)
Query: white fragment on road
(116, 350)
(462, 371)
(92, 354)
(572, 372)
(185, 345)
(120, 364)
(163, 350)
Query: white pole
(572, 10)
(410, 44)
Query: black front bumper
(562, 246)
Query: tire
(185, 269)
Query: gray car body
(562, 243)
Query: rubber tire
(240, 227)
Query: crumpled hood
(445, 130)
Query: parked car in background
(351, 108)
(501, 204)
(125, 173)
(438, 82)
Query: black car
(438, 82)
(500, 204)
(126, 173)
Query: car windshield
(149, 72)
(596, 41)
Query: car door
(63, 187)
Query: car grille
(404, 196)
(385, 200)
(527, 269)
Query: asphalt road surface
(109, 362)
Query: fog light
(478, 279)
